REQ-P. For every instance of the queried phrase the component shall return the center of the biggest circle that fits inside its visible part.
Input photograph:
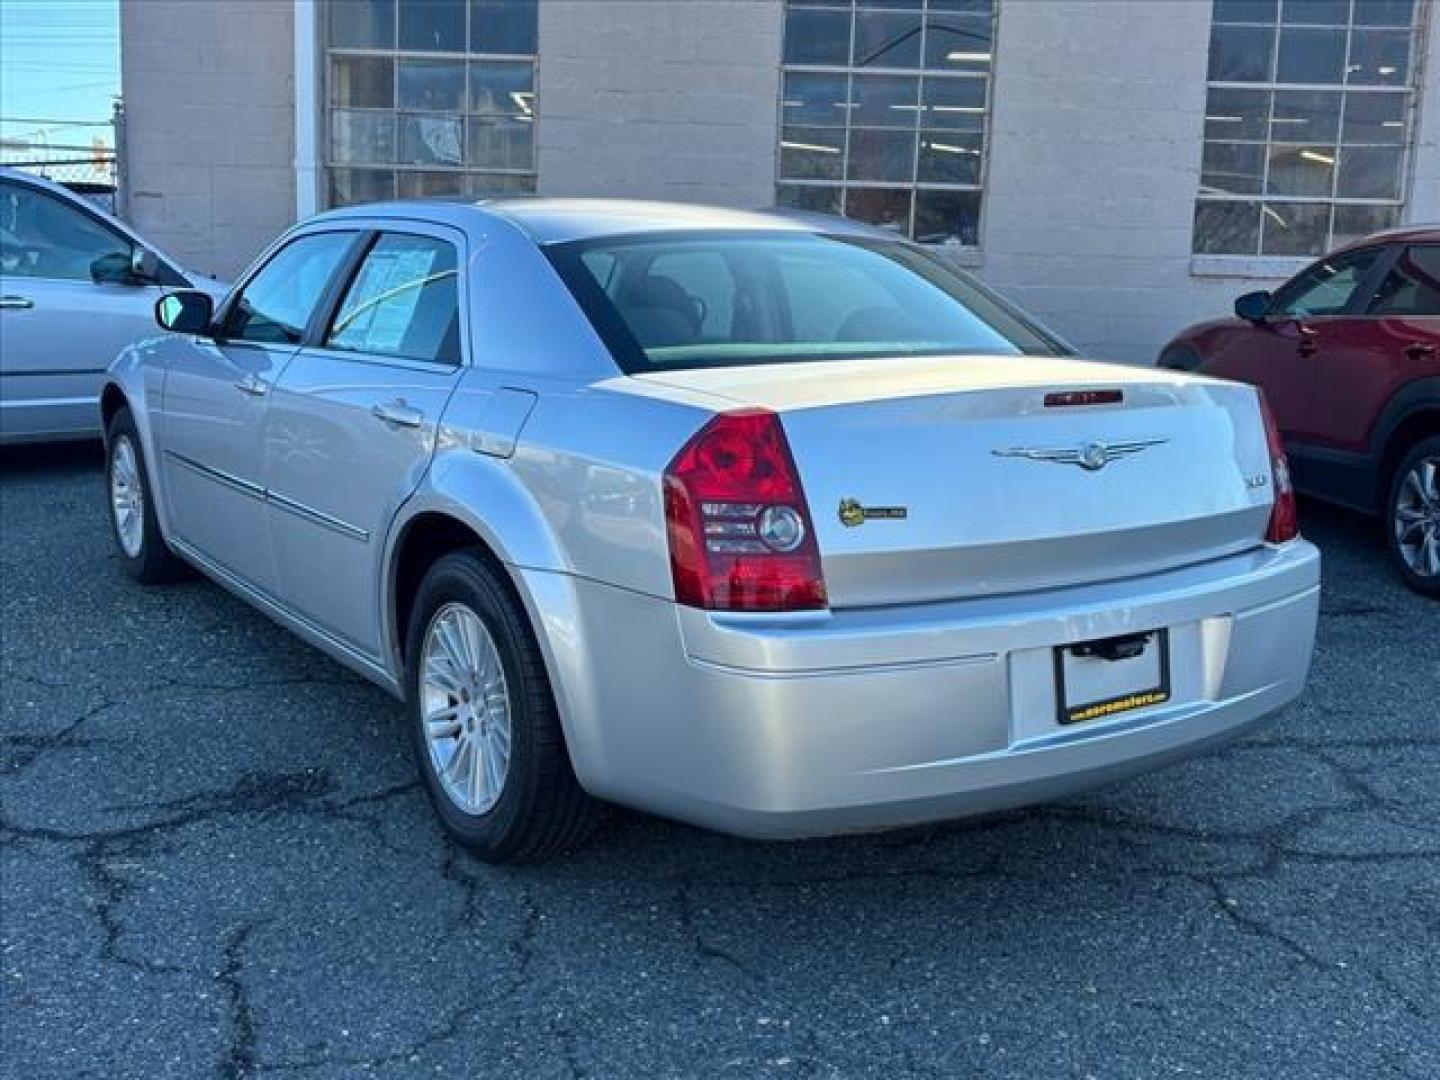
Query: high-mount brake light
(1284, 515)
(740, 533)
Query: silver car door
(353, 421)
(216, 398)
(59, 326)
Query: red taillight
(740, 533)
(1284, 516)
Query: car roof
(550, 220)
(1426, 232)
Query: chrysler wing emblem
(1090, 456)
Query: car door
(68, 304)
(1395, 341)
(353, 422)
(216, 398)
(1307, 315)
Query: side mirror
(185, 311)
(1253, 307)
(144, 265)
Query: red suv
(1348, 354)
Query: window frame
(920, 73)
(167, 276)
(1398, 249)
(1407, 91)
(232, 299)
(1358, 302)
(347, 276)
(465, 173)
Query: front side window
(884, 113)
(404, 302)
(42, 237)
(1412, 287)
(430, 98)
(1308, 123)
(696, 300)
(277, 303)
(1327, 287)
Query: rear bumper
(818, 723)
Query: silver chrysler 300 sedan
(777, 525)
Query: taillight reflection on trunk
(1284, 516)
(741, 538)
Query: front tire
(1412, 517)
(484, 728)
(133, 524)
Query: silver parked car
(76, 287)
(776, 525)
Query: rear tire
(1412, 517)
(484, 728)
(133, 524)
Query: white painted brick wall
(663, 99)
(210, 119)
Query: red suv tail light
(741, 538)
(1284, 516)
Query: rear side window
(41, 237)
(1412, 287)
(686, 300)
(277, 302)
(1327, 287)
(403, 302)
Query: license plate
(1096, 680)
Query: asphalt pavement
(217, 862)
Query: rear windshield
(674, 300)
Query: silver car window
(41, 237)
(276, 304)
(403, 302)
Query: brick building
(1121, 167)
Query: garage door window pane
(959, 43)
(1380, 58)
(881, 155)
(815, 200)
(1241, 53)
(812, 153)
(350, 186)
(362, 24)
(1316, 12)
(432, 25)
(1295, 228)
(950, 157)
(1354, 222)
(432, 85)
(1232, 115)
(363, 82)
(362, 137)
(1301, 170)
(1305, 116)
(1233, 168)
(503, 26)
(816, 99)
(947, 217)
(886, 39)
(1227, 228)
(501, 144)
(885, 100)
(1311, 56)
(1385, 13)
(1369, 172)
(956, 104)
(431, 140)
(502, 88)
(1376, 118)
(888, 208)
(817, 37)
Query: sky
(59, 61)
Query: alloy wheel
(127, 497)
(465, 707)
(1417, 518)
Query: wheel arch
(1413, 414)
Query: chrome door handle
(252, 385)
(1421, 350)
(21, 302)
(398, 413)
